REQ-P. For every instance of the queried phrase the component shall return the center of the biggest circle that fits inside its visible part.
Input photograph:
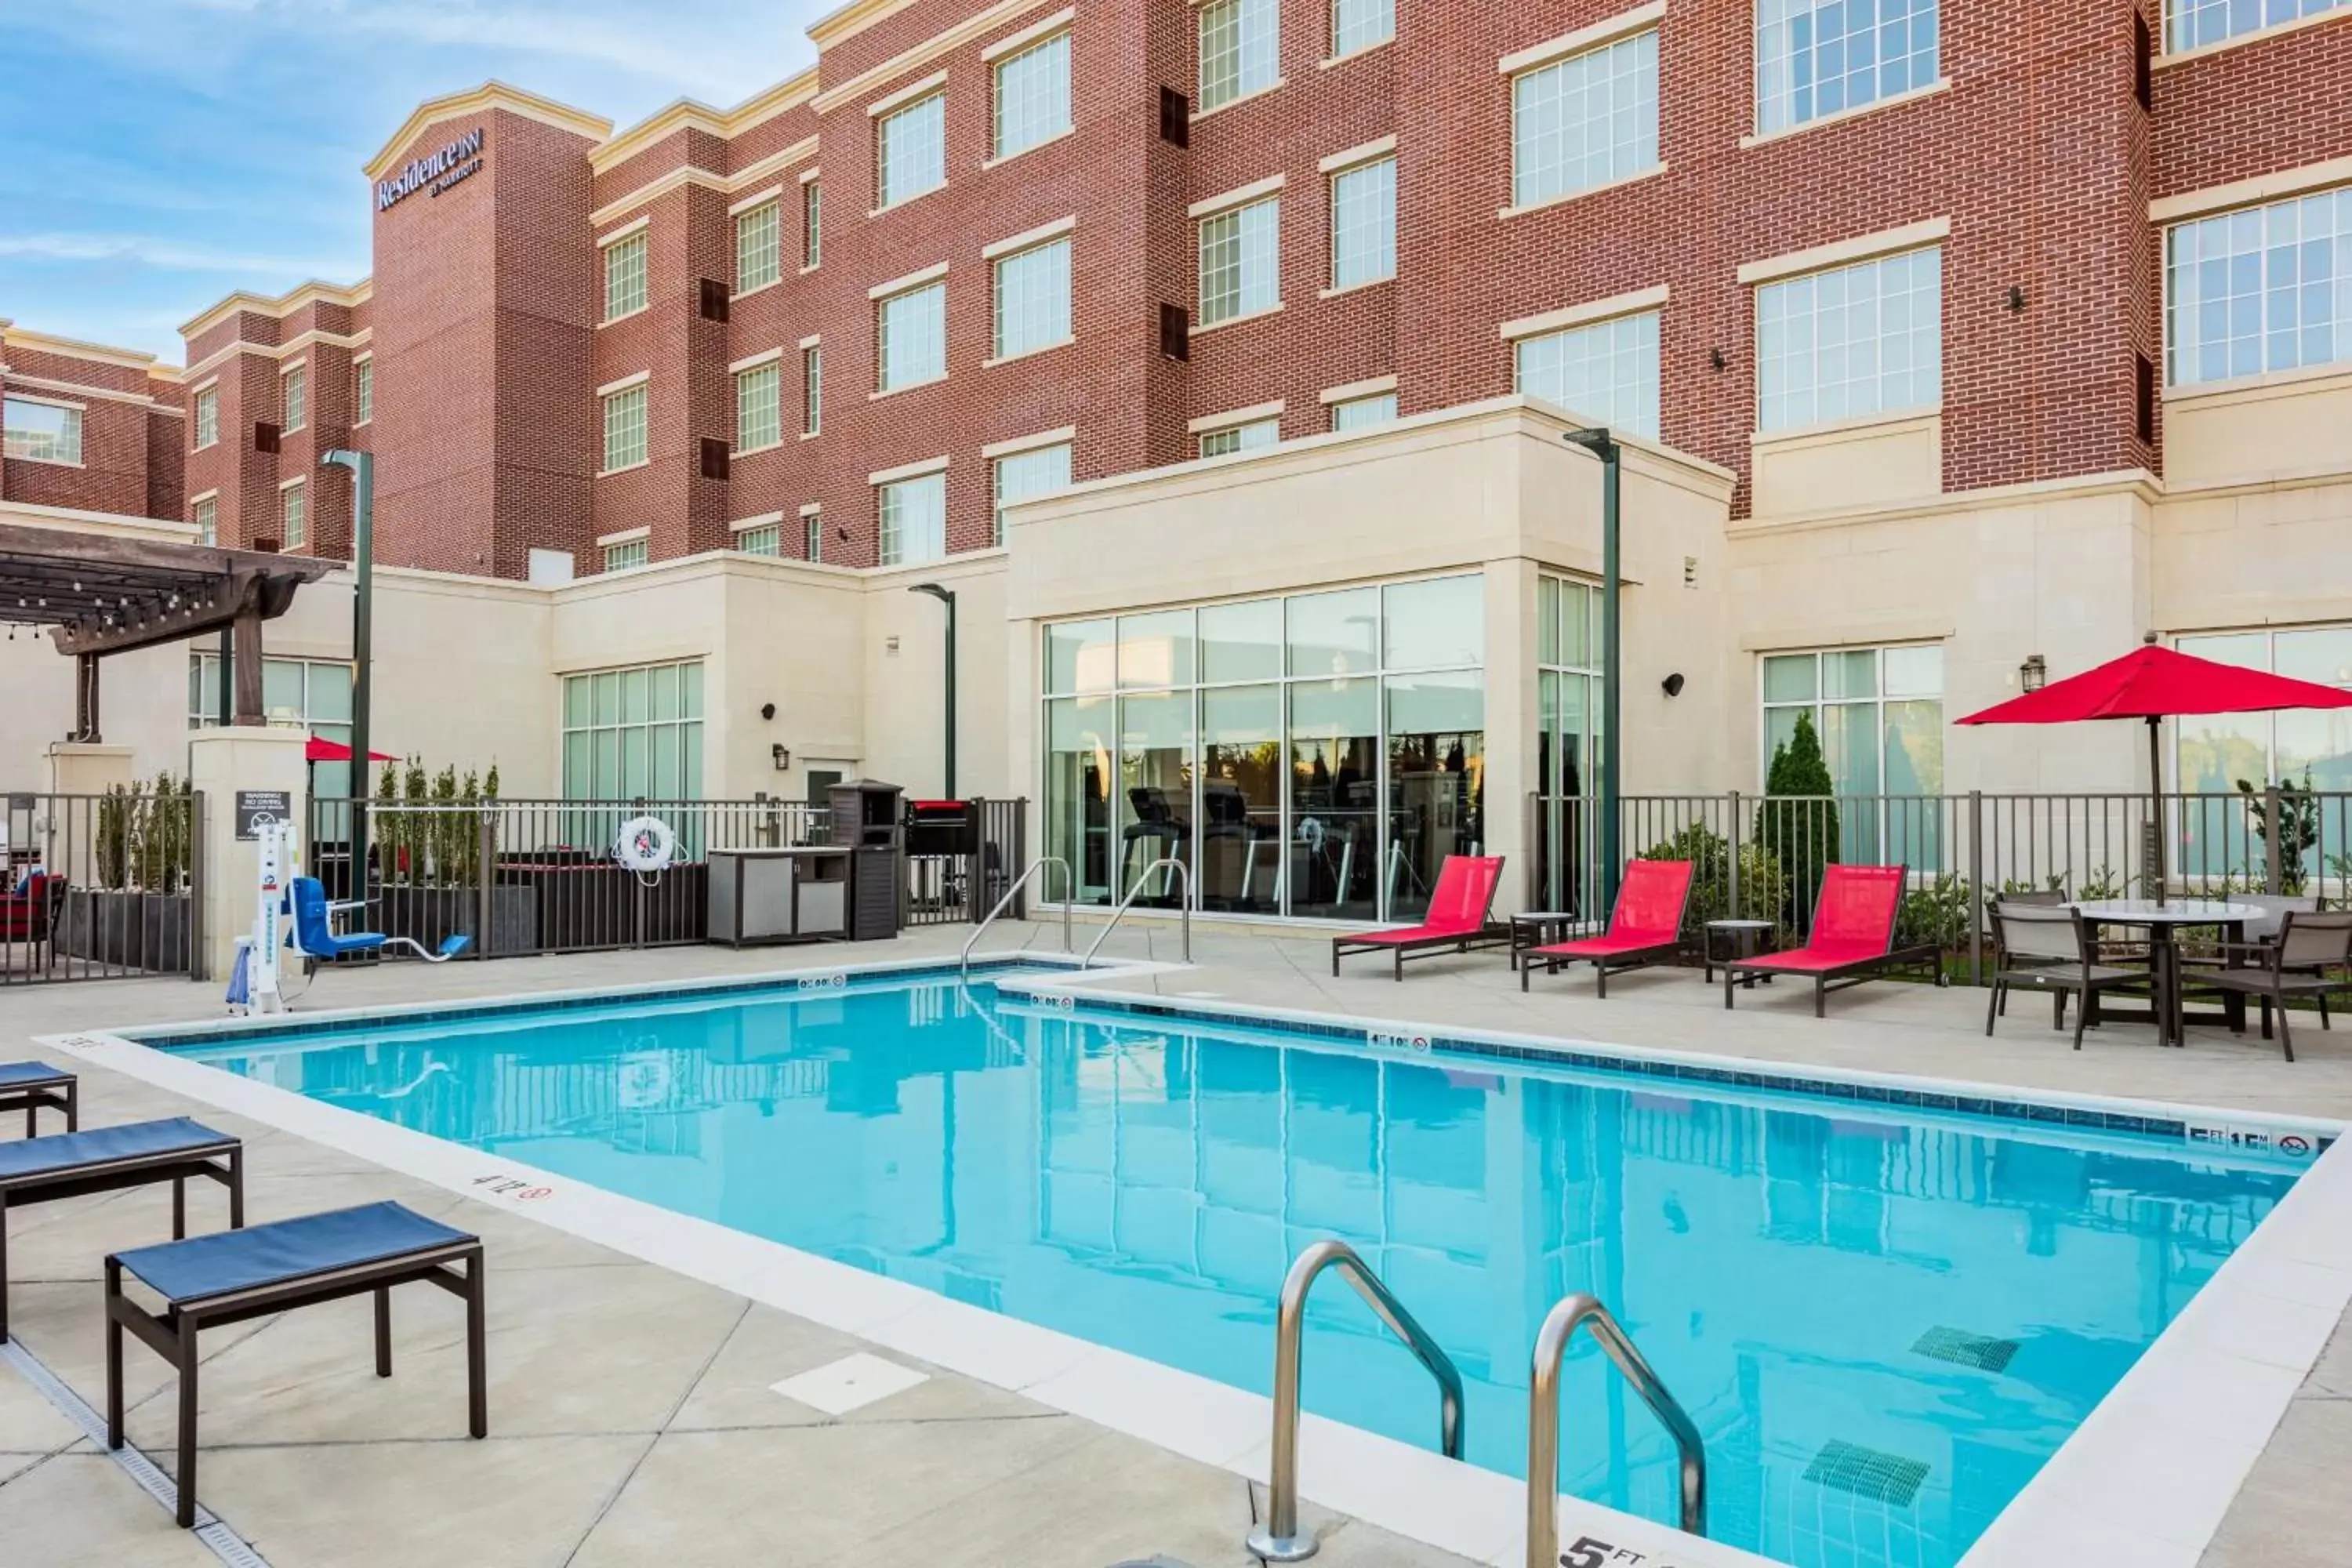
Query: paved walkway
(634, 1422)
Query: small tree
(1800, 829)
(1761, 885)
(2298, 827)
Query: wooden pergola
(105, 594)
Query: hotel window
(1585, 120)
(811, 223)
(1032, 96)
(207, 417)
(812, 390)
(364, 391)
(1363, 413)
(291, 502)
(2263, 289)
(1032, 298)
(913, 515)
(1249, 438)
(759, 413)
(206, 515)
(759, 246)
(2297, 748)
(1240, 49)
(911, 337)
(2191, 24)
(295, 392)
(911, 150)
(1361, 24)
(1819, 57)
(1852, 342)
(1315, 757)
(812, 531)
(627, 553)
(634, 734)
(310, 694)
(1879, 714)
(1023, 475)
(624, 277)
(1241, 261)
(624, 429)
(1607, 372)
(766, 540)
(41, 432)
(1363, 223)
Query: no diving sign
(256, 806)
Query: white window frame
(887, 192)
(624, 553)
(759, 408)
(1241, 436)
(206, 422)
(67, 451)
(1372, 21)
(812, 226)
(626, 291)
(1041, 259)
(2281, 234)
(1843, 279)
(1880, 826)
(760, 539)
(363, 389)
(1609, 338)
(601, 737)
(1248, 35)
(1049, 127)
(294, 397)
(813, 535)
(907, 303)
(205, 512)
(1373, 408)
(1372, 181)
(1778, 94)
(812, 389)
(2181, 15)
(1591, 154)
(1064, 450)
(620, 406)
(759, 245)
(891, 520)
(294, 515)
(1253, 292)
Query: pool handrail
(1069, 890)
(1571, 1313)
(1128, 902)
(1279, 1539)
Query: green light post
(363, 468)
(1596, 441)
(946, 597)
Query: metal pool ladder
(1069, 892)
(1572, 1313)
(1279, 1539)
(1129, 902)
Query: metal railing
(1279, 1539)
(1014, 892)
(101, 886)
(1128, 902)
(1580, 1311)
(1760, 858)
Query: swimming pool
(1883, 1316)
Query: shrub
(1763, 890)
(1800, 830)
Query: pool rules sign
(257, 809)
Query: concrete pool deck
(635, 1424)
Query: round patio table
(2163, 922)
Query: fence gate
(98, 887)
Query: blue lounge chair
(315, 935)
(212, 1280)
(110, 1159)
(35, 1084)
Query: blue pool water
(1788, 1263)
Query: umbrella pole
(2155, 799)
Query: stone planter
(135, 931)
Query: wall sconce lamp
(768, 710)
(783, 757)
(2034, 673)
(1715, 358)
(1673, 684)
(2017, 298)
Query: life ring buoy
(645, 844)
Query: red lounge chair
(26, 916)
(1645, 927)
(1852, 939)
(1456, 918)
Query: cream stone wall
(1853, 463)
(2294, 422)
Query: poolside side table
(1534, 928)
(1724, 941)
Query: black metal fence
(96, 887)
(524, 877)
(1760, 858)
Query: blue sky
(163, 152)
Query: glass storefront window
(1335, 798)
(1241, 642)
(1334, 633)
(1077, 793)
(1433, 625)
(1079, 656)
(1155, 779)
(633, 733)
(1156, 650)
(1436, 763)
(1568, 706)
(2213, 753)
(1241, 797)
(1879, 714)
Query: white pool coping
(2145, 1480)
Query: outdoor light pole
(363, 468)
(946, 597)
(1596, 441)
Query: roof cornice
(315, 291)
(491, 95)
(687, 114)
(74, 348)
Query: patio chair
(33, 1085)
(1644, 928)
(2307, 960)
(2052, 949)
(29, 914)
(1458, 918)
(228, 1278)
(1853, 937)
(314, 935)
(110, 1159)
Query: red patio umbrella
(319, 750)
(2155, 683)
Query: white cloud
(171, 255)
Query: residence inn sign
(434, 173)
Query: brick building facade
(96, 428)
